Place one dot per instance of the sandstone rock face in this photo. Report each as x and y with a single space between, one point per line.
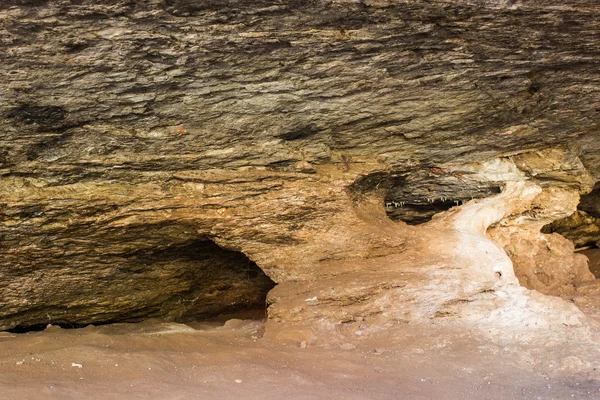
144 145
544 262
583 226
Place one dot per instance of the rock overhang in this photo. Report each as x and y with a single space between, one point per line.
282 131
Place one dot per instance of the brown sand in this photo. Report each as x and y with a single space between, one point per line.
170 361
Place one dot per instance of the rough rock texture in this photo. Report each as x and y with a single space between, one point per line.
594 256
583 226
544 262
130 130
407 274
192 280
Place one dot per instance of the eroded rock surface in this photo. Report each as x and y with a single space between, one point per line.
583 226
133 130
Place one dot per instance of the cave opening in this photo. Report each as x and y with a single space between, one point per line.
416 202
418 211
415 197
190 282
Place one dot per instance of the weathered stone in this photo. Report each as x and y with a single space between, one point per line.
132 130
543 262
192 280
583 226
590 203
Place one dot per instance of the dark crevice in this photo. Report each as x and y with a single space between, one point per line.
590 202
378 182
40 327
417 201
583 226
417 213
415 197
46 117
303 132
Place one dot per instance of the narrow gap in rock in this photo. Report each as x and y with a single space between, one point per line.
416 213
407 204
41 327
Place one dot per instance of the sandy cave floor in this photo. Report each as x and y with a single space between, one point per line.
154 360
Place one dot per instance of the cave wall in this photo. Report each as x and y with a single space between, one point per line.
281 130
583 226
